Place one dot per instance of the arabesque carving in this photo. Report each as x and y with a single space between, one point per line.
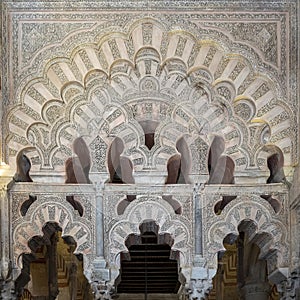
96 94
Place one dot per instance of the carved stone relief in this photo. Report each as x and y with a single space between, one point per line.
118 228
104 73
198 86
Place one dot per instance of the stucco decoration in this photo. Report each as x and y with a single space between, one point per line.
192 82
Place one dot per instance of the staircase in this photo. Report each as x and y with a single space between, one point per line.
150 269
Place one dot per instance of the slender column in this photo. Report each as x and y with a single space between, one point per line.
198 220
4 227
100 275
52 267
6 264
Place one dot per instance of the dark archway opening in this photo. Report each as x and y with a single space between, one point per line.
240 266
120 167
149 128
150 267
52 270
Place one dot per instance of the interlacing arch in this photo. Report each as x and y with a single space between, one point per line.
196 85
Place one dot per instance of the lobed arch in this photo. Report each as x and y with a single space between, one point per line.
258 217
179 62
61 213
159 211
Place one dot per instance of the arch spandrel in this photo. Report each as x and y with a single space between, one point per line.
178 62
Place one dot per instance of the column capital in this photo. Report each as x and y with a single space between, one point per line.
199 289
200 282
290 288
102 290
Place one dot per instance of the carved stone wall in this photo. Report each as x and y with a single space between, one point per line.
206 74
177 73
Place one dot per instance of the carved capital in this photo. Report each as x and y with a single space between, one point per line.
290 288
199 289
7 290
100 277
200 283
102 290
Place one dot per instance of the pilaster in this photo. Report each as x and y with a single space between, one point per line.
6 274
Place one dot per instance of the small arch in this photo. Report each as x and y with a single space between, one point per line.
275 164
220 205
276 204
149 128
221 170
220 166
26 204
55 255
243 261
76 204
174 203
78 168
124 203
185 161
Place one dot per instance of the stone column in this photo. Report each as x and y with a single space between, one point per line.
52 267
99 221
100 275
198 219
290 288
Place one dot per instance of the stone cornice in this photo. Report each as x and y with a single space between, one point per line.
153 5
236 189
